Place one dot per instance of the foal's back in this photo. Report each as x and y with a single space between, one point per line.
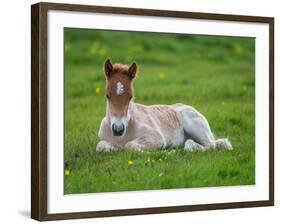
165 119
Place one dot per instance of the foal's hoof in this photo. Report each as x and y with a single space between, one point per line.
104 146
134 146
191 146
223 144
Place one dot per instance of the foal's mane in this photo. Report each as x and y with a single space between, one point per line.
120 68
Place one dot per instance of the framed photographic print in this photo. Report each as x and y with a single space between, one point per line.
139 111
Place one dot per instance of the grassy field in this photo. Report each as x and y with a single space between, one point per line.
216 75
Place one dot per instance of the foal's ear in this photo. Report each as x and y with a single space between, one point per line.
132 71
108 68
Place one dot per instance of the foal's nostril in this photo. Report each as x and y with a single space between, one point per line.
118 129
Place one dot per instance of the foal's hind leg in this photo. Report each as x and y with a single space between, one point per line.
196 127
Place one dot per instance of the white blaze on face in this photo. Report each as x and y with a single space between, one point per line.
119 88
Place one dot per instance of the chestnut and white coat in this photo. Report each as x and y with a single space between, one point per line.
139 127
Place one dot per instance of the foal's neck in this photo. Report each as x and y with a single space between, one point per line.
131 107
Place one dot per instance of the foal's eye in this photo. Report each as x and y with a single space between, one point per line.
130 97
107 96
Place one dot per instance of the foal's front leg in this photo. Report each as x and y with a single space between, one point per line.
146 142
104 146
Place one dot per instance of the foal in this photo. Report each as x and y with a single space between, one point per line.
139 127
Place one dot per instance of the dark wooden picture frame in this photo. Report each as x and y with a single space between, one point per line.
39 121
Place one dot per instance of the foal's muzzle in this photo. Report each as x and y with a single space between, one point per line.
118 130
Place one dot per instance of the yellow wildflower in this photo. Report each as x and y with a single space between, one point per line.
67 46
95 47
161 75
130 162
102 52
237 49
67 172
97 89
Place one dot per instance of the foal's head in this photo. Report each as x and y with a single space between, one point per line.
119 92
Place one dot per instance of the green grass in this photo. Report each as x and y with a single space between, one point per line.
216 75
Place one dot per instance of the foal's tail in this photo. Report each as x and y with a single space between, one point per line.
223 143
